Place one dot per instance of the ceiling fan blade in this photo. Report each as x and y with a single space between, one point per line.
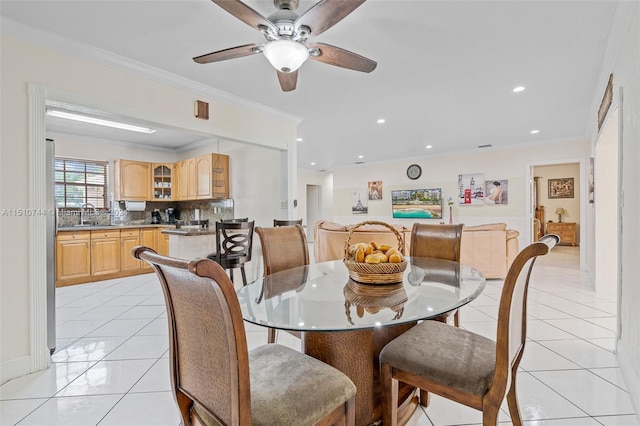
333 55
246 14
325 14
230 53
288 81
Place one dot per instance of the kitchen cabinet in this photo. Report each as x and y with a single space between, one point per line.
162 242
219 176
148 238
132 180
162 181
105 252
99 254
203 176
73 259
129 238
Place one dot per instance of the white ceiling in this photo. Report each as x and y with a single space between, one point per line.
445 74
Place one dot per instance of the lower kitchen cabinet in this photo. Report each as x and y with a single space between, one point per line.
73 255
93 255
148 238
162 246
129 238
105 252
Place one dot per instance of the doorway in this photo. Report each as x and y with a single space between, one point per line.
606 210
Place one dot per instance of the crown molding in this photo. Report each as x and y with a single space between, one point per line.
20 31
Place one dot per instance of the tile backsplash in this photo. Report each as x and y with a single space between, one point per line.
213 210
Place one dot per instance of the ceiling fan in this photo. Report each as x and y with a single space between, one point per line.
287 46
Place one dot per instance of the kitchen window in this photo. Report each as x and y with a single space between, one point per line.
79 181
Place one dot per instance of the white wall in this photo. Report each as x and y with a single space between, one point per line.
325 182
625 76
69 79
442 172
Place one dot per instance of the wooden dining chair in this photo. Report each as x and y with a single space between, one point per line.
282 248
439 242
216 380
234 245
463 366
277 222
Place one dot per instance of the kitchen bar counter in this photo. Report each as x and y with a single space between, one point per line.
189 232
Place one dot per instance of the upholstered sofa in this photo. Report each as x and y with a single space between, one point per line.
489 248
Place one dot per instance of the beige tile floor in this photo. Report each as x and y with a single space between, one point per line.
111 365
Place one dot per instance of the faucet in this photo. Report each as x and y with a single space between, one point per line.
83 213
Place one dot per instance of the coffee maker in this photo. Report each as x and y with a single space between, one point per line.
155 217
172 215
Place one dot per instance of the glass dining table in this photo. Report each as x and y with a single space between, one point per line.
346 324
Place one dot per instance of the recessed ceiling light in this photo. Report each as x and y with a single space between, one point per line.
429 146
299 139
313 164
98 121
533 132
360 156
381 120
518 89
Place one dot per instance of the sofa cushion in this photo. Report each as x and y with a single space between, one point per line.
331 226
486 227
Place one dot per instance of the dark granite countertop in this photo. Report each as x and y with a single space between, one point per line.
109 227
189 232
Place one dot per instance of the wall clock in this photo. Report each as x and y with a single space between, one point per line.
414 171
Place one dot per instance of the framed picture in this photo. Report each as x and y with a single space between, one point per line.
561 188
417 203
359 205
471 189
497 192
375 190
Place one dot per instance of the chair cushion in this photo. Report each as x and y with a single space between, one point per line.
290 388
445 354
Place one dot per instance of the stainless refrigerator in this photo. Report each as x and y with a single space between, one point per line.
52 229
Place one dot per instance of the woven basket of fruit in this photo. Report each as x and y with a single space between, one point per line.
373 263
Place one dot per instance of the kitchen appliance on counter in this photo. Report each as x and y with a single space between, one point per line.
172 215
155 217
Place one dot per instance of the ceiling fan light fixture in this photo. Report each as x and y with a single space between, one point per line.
286 55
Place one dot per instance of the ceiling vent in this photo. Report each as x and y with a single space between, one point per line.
484 146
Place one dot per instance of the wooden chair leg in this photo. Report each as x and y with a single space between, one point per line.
456 318
490 416
271 335
351 411
389 390
231 274
424 398
512 400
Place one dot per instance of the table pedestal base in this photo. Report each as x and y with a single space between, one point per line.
355 353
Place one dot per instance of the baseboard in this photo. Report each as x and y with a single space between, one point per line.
14 368
630 376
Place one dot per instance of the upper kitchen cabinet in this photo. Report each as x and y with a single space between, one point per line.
162 177
132 180
203 176
219 176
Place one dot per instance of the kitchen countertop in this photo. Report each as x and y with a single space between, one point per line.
108 227
189 232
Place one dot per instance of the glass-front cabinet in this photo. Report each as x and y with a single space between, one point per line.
162 181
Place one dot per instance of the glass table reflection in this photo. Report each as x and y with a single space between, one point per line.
346 323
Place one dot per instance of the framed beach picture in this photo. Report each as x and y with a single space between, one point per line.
359 203
417 203
471 189
561 188
496 192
